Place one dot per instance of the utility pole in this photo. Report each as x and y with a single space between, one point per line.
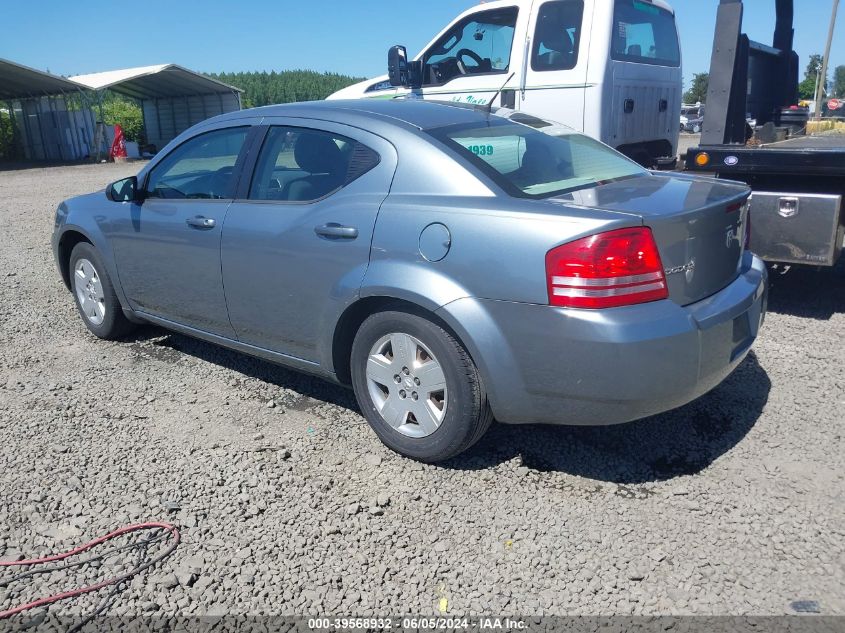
826 61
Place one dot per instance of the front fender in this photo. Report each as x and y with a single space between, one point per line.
70 221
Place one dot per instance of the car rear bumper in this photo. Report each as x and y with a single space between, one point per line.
599 367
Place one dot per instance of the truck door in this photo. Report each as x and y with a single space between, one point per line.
470 61
558 55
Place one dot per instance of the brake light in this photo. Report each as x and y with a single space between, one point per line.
608 270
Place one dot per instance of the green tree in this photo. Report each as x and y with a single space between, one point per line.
9 148
120 110
698 90
839 82
807 88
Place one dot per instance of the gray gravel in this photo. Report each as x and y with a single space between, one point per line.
289 505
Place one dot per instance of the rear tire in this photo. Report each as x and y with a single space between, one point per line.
417 387
94 295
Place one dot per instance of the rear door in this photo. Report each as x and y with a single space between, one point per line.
646 68
558 57
296 242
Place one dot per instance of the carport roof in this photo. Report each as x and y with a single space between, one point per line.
150 82
21 82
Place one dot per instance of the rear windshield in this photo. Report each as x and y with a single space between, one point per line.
534 158
644 34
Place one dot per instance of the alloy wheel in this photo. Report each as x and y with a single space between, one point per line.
407 385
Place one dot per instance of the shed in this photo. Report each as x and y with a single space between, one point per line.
50 115
172 98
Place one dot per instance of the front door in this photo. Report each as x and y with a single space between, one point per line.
168 247
296 246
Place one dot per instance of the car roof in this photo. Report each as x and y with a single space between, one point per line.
420 114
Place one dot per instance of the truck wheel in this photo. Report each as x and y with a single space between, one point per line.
418 387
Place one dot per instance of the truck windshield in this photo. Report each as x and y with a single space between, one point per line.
536 159
644 33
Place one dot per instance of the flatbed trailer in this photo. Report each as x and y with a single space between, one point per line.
798 184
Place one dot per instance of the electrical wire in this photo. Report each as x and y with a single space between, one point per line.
116 580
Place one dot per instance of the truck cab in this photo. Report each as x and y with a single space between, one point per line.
610 69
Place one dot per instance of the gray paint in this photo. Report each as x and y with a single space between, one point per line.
263 282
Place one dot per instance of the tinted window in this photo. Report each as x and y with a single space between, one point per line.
645 34
479 44
537 161
202 167
302 165
557 36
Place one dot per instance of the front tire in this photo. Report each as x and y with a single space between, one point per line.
94 295
417 387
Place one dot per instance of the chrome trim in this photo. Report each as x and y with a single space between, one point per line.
605 282
609 292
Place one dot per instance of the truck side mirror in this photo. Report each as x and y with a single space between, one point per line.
397 66
401 72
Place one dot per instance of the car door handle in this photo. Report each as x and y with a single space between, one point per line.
199 222
335 231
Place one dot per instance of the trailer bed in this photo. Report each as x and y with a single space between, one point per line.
821 155
820 141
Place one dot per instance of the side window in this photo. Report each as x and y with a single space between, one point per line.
479 44
557 36
303 165
644 33
202 167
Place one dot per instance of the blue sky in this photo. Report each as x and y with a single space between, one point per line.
350 37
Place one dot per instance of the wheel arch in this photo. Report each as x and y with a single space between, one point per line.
355 314
68 240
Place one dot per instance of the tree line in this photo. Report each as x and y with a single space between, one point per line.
263 88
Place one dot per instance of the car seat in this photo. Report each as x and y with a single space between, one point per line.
326 165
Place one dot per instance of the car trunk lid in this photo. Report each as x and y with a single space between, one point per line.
699 225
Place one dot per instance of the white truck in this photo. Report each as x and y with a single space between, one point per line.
608 68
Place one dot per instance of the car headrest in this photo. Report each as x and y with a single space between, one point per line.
317 154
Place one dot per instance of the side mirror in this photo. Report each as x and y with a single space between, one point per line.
400 71
397 66
125 190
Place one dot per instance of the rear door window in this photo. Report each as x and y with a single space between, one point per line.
557 36
304 165
644 34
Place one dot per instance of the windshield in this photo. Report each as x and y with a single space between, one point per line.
536 158
645 34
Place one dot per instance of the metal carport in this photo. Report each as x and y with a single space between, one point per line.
172 98
50 116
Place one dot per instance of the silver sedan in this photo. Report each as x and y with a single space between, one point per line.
452 264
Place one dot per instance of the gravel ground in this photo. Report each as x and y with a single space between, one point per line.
289 505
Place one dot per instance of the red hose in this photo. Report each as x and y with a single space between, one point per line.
90 588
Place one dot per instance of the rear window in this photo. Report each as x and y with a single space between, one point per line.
644 34
536 159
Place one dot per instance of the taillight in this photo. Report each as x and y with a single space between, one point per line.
607 270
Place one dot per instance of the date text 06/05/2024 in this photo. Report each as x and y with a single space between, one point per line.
416 623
